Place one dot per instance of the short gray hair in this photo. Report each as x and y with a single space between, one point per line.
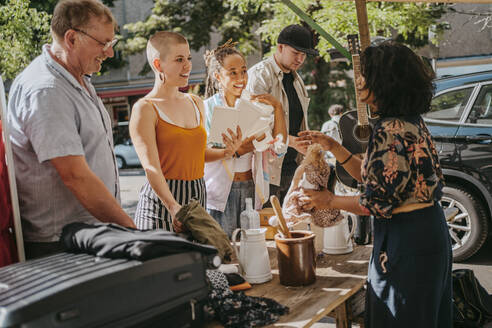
69 14
335 109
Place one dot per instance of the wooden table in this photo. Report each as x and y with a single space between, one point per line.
338 278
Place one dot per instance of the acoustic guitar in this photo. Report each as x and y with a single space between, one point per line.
355 126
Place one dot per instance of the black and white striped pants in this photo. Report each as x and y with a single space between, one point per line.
151 212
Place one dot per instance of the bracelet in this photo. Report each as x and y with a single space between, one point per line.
236 155
345 161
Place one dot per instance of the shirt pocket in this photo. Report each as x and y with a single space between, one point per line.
304 102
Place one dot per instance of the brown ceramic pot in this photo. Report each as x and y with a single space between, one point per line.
296 258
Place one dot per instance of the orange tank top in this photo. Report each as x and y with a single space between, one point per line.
181 150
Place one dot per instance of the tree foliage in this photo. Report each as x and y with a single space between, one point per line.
49 5
244 20
406 22
332 86
24 30
196 20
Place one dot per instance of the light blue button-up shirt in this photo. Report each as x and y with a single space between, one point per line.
52 115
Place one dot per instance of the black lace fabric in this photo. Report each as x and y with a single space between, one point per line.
235 309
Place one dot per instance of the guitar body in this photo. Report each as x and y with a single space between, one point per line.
355 138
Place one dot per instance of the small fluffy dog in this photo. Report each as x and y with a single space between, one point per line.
313 173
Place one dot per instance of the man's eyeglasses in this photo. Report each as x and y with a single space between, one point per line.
106 45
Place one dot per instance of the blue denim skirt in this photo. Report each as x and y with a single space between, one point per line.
409 277
236 203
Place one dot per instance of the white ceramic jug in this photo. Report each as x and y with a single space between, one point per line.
338 239
253 255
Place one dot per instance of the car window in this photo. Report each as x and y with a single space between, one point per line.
450 105
481 112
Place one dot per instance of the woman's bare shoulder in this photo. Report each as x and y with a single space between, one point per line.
144 110
198 101
144 105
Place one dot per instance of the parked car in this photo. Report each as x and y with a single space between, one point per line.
126 154
120 132
460 122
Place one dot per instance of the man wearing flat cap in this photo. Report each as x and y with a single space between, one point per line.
277 75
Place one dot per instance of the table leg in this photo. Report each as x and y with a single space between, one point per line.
342 313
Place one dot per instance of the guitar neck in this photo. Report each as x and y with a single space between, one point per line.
362 118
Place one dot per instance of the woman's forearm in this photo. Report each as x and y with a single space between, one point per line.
349 204
159 184
214 154
351 162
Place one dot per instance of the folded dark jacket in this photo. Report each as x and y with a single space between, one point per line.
205 229
114 241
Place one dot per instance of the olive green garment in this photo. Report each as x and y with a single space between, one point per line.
205 229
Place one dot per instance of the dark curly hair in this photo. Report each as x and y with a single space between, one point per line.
399 80
214 60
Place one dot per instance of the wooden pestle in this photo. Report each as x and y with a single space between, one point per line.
278 212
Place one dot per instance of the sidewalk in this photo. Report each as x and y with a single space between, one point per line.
131 180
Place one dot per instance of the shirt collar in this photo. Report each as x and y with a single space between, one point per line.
276 68
220 100
60 69
278 71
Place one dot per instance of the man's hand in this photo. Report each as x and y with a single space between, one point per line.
90 191
299 144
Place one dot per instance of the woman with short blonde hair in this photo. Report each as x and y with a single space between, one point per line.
167 129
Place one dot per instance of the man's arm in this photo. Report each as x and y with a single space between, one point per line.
90 190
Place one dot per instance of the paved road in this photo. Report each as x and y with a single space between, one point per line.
481 263
131 180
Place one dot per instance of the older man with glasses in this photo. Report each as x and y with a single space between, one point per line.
61 133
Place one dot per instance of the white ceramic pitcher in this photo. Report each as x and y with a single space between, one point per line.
253 255
338 239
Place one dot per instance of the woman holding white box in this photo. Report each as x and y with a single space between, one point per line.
229 182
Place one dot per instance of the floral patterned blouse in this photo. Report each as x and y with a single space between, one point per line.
400 167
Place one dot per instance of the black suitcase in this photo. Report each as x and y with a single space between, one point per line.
81 290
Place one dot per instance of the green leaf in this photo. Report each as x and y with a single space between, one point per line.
24 30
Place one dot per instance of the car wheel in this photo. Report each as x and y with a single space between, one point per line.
467 221
120 162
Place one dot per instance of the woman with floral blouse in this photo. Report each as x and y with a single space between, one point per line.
409 276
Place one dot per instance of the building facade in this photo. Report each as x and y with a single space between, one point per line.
467 46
